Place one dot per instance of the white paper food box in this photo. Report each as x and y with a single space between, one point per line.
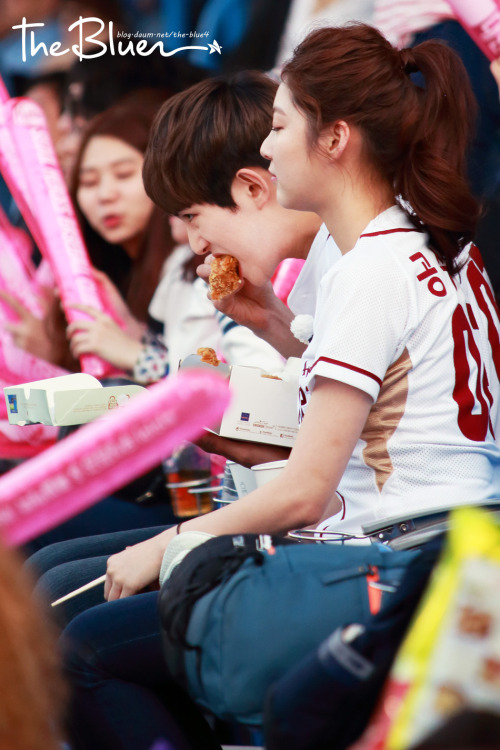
262 409
67 400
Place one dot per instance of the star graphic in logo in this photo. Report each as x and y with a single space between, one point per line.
214 47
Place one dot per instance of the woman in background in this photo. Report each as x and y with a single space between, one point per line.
127 237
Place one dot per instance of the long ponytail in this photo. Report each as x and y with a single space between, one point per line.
416 137
432 178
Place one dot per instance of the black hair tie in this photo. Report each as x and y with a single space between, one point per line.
408 61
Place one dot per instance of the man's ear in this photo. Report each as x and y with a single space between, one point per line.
335 138
251 184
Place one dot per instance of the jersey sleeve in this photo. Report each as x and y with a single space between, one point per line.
363 319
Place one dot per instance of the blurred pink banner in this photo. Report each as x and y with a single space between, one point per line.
105 454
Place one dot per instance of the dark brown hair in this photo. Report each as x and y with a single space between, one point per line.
130 120
31 686
203 136
415 137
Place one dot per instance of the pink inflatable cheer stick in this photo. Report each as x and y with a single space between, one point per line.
63 244
4 94
20 447
3 405
18 366
21 241
44 275
481 19
107 453
14 278
18 442
13 174
32 433
6 314
285 277
22 442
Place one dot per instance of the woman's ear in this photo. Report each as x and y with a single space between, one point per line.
251 184
335 138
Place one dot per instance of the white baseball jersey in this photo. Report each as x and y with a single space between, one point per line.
425 346
321 256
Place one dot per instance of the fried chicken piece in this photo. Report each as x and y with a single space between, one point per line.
208 355
224 276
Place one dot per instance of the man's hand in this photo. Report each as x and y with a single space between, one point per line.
249 305
136 567
242 452
260 310
102 336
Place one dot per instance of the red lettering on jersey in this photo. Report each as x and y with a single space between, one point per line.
473 425
476 256
486 303
435 285
429 270
472 317
302 403
306 370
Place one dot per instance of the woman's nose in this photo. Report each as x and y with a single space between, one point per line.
265 149
107 189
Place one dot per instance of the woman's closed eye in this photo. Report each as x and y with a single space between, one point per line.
125 174
88 182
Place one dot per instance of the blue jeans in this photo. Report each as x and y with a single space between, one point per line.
109 515
122 696
63 567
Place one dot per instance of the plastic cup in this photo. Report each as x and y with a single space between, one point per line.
243 478
263 473
191 495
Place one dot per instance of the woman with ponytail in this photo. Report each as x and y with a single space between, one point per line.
405 346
